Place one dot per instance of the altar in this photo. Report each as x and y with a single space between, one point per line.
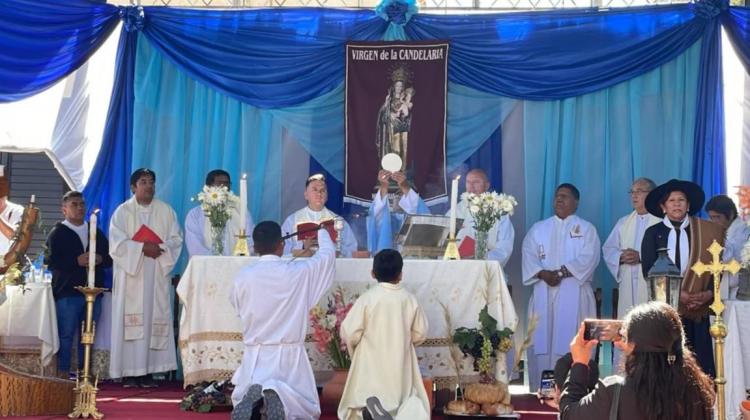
451 292
28 322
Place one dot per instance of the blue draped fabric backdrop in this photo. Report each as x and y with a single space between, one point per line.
42 42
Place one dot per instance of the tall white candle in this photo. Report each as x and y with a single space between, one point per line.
92 249
243 202
454 202
33 199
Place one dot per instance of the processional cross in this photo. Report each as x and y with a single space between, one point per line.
718 328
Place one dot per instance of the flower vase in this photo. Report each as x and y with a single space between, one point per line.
217 240
480 245
332 391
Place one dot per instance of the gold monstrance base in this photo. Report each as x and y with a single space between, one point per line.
240 247
451 251
85 390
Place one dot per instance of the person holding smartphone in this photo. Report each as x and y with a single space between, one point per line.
662 380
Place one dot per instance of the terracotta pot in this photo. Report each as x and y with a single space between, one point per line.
332 390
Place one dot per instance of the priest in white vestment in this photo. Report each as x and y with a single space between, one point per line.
500 238
198 227
316 195
622 252
383 222
10 214
273 298
145 243
722 211
380 332
560 255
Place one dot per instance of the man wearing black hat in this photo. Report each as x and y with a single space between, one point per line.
687 238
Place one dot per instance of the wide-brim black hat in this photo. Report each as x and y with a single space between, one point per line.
694 193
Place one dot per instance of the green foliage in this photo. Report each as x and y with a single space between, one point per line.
482 343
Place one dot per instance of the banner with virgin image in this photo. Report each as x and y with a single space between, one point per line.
395 103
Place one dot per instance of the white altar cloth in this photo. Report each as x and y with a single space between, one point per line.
211 338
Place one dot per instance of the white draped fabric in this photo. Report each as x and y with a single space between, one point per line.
211 332
30 314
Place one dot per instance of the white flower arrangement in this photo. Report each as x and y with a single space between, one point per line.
488 207
218 204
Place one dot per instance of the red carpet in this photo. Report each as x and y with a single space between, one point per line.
163 403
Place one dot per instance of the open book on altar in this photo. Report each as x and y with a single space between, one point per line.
145 234
424 235
309 230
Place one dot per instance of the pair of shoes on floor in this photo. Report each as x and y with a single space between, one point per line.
147 381
271 407
141 381
376 410
130 382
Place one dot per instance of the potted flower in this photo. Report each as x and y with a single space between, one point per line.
326 333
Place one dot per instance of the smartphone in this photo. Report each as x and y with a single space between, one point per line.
602 329
547 387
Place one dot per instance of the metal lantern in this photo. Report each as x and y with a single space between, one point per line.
665 280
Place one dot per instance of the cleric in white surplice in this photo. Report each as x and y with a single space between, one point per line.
273 298
142 335
560 255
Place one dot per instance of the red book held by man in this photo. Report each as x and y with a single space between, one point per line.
145 234
308 230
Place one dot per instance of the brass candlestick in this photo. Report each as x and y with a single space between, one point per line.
85 390
451 251
240 247
718 329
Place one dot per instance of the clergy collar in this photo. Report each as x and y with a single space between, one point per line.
565 220
390 286
269 257
309 209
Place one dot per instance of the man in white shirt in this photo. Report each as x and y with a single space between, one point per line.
145 243
559 257
316 195
273 298
198 229
10 214
500 237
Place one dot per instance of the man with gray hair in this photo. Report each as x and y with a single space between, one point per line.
622 249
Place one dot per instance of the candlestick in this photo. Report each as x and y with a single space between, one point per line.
92 249
243 202
33 199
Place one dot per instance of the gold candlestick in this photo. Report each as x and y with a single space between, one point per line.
85 390
240 247
718 329
451 251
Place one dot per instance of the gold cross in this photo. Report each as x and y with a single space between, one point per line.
716 267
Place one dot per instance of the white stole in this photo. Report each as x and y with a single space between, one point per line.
553 245
628 240
159 222
684 244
